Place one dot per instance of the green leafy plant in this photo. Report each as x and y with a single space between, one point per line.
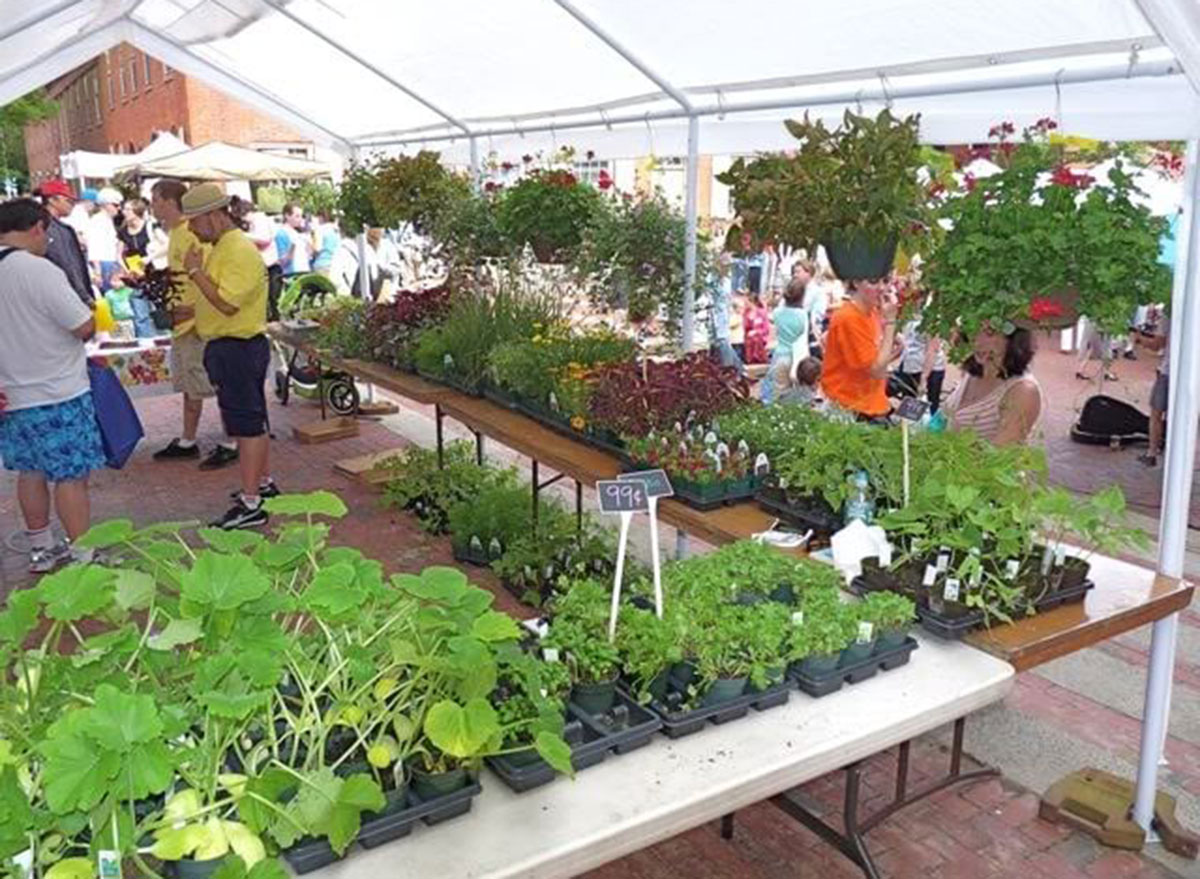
418 484
1039 243
316 197
550 210
356 198
415 189
491 520
887 611
557 547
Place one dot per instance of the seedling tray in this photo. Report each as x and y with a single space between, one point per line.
470 557
823 522
313 854
823 685
703 497
955 627
500 398
592 738
677 724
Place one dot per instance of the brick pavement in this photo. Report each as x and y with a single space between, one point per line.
985 830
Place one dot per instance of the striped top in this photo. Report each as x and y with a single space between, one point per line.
984 415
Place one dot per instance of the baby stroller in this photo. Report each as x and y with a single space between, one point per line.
302 374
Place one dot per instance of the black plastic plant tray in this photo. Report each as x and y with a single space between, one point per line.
467 555
450 382
823 523
591 738
855 672
500 398
677 724
306 856
955 628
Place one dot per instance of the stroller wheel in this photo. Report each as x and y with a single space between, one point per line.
283 387
341 396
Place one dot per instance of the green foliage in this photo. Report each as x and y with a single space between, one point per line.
316 197
499 513
418 484
415 189
14 116
550 210
1032 233
887 611
535 561
356 198
468 229
270 199
858 178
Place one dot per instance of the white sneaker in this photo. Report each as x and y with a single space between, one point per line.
43 561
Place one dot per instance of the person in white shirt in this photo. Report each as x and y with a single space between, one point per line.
102 243
81 214
48 432
295 247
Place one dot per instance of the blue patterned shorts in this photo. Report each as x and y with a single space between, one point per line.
61 440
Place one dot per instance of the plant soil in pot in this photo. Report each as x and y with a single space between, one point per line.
430 785
724 690
855 257
820 666
189 869
595 699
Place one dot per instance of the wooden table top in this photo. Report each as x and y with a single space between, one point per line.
1126 596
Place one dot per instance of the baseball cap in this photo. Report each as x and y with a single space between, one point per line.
108 195
89 194
56 187
203 198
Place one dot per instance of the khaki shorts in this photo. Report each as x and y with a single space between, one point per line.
188 374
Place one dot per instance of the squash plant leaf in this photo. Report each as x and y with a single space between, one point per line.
19 617
175 634
495 626
223 582
437 583
72 868
76 592
106 534
119 720
77 774
333 591
461 731
317 503
134 589
148 770
554 751
230 541
332 807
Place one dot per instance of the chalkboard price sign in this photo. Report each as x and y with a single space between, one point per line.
616 496
656 482
912 409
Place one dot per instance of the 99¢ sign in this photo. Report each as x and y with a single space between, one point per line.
622 497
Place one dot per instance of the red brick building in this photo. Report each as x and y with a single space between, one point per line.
117 102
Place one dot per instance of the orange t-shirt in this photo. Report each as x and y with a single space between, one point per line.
850 350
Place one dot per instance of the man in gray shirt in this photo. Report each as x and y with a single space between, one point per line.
62 246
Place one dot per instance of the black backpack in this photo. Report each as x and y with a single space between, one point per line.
1106 421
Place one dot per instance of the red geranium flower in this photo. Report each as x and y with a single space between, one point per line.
1045 124
506 166
1064 176
527 158
1044 309
969 182
603 180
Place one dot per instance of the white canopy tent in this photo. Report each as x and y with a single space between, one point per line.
362 74
223 162
81 163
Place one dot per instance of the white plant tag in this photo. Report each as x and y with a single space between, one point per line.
931 573
1011 568
553 401
109 863
1060 555
716 459
24 861
448 361
783 483
550 654
743 448
475 543
950 593
723 449
1047 560
866 631
762 465
710 438
678 427
943 563
797 618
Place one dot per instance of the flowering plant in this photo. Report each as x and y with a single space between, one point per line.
391 330
1040 242
549 209
684 456
556 362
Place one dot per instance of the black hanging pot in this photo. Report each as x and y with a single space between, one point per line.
856 257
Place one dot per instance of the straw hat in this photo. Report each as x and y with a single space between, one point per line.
203 198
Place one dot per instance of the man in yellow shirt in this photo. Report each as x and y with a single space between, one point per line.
187 348
231 317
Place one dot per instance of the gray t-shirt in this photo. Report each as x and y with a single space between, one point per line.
1165 366
41 360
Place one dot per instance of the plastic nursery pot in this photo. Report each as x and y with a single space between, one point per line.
190 869
820 666
890 639
784 593
857 653
682 675
595 699
724 690
855 257
430 785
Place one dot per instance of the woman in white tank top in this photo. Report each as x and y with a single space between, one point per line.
998 398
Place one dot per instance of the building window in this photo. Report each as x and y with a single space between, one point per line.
96 98
121 71
166 71
146 68
133 86
589 172
112 93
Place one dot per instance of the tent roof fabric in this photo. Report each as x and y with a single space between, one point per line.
223 162
82 163
357 73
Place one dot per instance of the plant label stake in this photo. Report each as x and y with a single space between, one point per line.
656 484
623 498
911 409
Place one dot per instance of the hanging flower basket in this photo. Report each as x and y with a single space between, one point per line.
855 257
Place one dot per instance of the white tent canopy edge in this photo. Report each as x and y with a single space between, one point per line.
41 47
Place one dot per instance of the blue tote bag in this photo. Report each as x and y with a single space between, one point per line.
120 427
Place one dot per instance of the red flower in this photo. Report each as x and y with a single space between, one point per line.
603 180
506 166
1044 309
491 186
969 182
1064 176
527 158
1045 124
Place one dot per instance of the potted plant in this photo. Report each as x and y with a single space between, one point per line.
854 189
890 615
817 644
414 189
549 209
648 651
1084 247
482 527
417 483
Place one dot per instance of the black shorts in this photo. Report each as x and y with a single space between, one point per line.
237 369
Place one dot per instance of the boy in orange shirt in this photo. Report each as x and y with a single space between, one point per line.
858 348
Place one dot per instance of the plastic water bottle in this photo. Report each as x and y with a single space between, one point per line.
859 505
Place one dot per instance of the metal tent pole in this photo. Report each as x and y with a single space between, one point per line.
364 273
1177 489
689 254
475 181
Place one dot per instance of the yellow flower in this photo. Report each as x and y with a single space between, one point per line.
577 422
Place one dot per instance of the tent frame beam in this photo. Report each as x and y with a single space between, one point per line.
46 14
358 59
869 92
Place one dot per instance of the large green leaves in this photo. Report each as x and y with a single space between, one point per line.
76 592
107 534
134 589
334 591
317 503
223 582
78 774
176 633
462 731
332 807
118 721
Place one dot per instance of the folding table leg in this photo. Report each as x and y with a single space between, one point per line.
438 415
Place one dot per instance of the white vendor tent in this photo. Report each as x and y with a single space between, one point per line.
83 164
222 162
363 74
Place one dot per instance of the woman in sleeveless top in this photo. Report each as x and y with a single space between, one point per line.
997 398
